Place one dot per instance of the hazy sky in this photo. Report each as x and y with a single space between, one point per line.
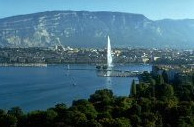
153 9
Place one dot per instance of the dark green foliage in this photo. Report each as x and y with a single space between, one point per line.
135 120
122 104
15 111
85 107
185 92
59 108
149 119
152 82
118 122
123 122
101 100
93 123
186 121
105 96
133 89
145 77
193 79
164 91
165 76
160 80
40 118
143 90
2 112
76 118
7 120
107 122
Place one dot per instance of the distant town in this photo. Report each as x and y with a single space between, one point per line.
68 55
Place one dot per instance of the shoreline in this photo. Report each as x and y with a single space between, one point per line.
50 64
23 65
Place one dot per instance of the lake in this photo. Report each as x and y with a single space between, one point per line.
39 88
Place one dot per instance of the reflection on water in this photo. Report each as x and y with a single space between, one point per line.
68 70
108 80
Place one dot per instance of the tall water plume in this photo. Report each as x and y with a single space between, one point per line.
109 54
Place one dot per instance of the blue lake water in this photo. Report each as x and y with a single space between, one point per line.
38 88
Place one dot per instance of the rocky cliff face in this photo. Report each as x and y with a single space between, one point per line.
90 29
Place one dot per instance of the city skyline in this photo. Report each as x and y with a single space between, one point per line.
154 10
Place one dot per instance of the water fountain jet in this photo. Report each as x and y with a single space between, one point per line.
109 54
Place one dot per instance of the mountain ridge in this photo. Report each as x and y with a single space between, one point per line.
90 29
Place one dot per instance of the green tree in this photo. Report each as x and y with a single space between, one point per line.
76 118
152 87
134 110
143 90
165 76
61 110
122 122
102 99
164 91
145 104
159 80
152 82
168 90
16 111
93 123
186 121
41 118
108 122
85 107
104 114
135 120
193 78
149 119
121 105
2 112
8 121
133 89
50 115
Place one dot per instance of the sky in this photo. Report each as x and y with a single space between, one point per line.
152 9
